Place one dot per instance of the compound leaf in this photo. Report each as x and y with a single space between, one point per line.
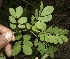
19 11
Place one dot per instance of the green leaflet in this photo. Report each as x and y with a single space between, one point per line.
59 39
51 51
49 30
28 25
55 39
16 49
36 42
46 38
42 37
54 29
12 19
64 38
32 19
41 7
27 50
19 11
47 50
36 13
22 20
50 38
40 25
45 19
18 37
13 26
12 12
27 37
21 26
27 43
41 48
64 31
47 10
34 28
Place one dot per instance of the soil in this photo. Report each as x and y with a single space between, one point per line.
61 18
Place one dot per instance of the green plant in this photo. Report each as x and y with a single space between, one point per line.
36 34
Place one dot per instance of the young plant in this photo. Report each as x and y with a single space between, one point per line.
35 34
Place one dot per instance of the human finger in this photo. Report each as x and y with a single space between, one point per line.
4 29
8 50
